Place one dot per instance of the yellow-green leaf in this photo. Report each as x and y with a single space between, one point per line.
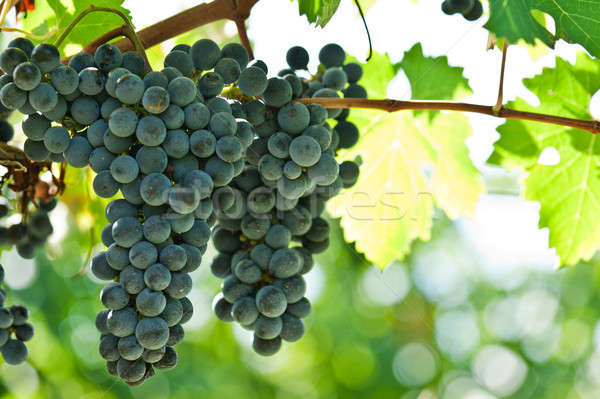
409 165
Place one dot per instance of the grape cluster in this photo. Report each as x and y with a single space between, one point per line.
269 220
14 329
153 137
471 10
6 130
210 139
31 232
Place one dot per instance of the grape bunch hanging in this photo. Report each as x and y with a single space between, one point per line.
208 145
14 329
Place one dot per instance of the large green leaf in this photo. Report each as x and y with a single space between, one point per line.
318 11
569 192
392 203
409 164
577 21
60 13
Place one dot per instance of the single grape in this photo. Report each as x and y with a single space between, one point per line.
284 263
124 169
210 84
35 150
65 79
355 91
132 279
91 81
78 152
12 97
43 98
134 62
35 126
151 159
108 57
182 91
142 254
173 117
56 139
293 118
335 78
151 131
353 72
305 151
10 58
180 60
176 144
126 231
270 301
122 122
348 134
157 277
266 347
150 303
223 124
80 61
297 57
294 288
461 6
197 115
205 54
154 189
155 100
129 89
27 76
475 12
332 55
277 93
180 285
252 81
85 110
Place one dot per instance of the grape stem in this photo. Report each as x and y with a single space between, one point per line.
499 101
507 113
30 35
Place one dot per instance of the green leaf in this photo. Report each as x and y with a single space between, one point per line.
318 11
392 203
514 20
409 164
577 21
569 192
432 78
59 14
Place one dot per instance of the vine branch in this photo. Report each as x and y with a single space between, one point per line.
184 21
507 113
241 28
239 10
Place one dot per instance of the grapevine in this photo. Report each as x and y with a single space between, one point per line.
212 149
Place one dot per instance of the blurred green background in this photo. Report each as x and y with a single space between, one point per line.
478 312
